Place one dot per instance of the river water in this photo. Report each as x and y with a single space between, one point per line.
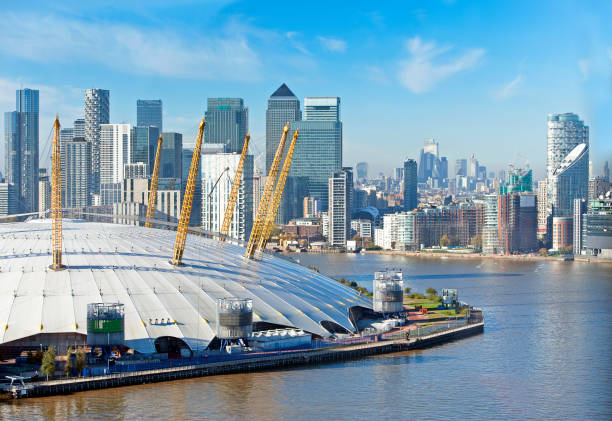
546 354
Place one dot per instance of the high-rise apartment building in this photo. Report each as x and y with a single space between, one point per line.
44 193
227 122
21 134
149 113
171 162
410 185
569 181
542 213
8 199
76 169
215 201
566 180
97 112
283 107
340 186
115 145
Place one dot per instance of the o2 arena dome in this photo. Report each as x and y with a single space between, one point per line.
129 265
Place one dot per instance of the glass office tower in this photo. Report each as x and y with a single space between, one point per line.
227 122
149 113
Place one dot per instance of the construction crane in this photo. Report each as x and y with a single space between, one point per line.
183 226
231 204
262 210
152 203
56 199
278 194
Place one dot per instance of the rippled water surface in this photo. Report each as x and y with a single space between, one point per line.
546 354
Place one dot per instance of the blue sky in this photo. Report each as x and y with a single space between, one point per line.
480 77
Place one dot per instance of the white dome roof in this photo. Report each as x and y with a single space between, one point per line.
126 264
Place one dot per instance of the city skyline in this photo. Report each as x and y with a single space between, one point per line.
429 79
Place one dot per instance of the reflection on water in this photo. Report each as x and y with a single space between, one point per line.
545 354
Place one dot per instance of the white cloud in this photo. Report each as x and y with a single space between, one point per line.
293 37
585 67
127 48
429 64
510 88
334 45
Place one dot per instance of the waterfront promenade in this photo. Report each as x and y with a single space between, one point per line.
395 342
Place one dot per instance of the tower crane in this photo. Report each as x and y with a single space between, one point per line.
262 210
278 194
56 199
231 204
183 226
152 202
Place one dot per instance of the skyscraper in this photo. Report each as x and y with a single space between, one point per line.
213 206
144 146
227 122
149 113
565 132
340 186
97 112
318 152
171 163
322 108
196 210
362 170
21 135
461 167
283 107
76 168
410 185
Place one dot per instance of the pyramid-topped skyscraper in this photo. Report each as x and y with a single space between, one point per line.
283 107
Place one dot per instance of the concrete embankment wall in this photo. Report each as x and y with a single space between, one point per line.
319 356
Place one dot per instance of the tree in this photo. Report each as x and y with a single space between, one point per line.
48 362
476 242
407 290
431 291
68 364
80 362
445 241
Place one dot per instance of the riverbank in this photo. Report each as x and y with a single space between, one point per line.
471 256
275 361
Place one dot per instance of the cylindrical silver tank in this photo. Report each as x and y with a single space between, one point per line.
234 318
388 292
105 324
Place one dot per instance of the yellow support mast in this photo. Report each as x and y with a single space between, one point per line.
56 199
278 194
152 202
183 226
262 210
231 204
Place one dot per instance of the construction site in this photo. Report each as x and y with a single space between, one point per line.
139 299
